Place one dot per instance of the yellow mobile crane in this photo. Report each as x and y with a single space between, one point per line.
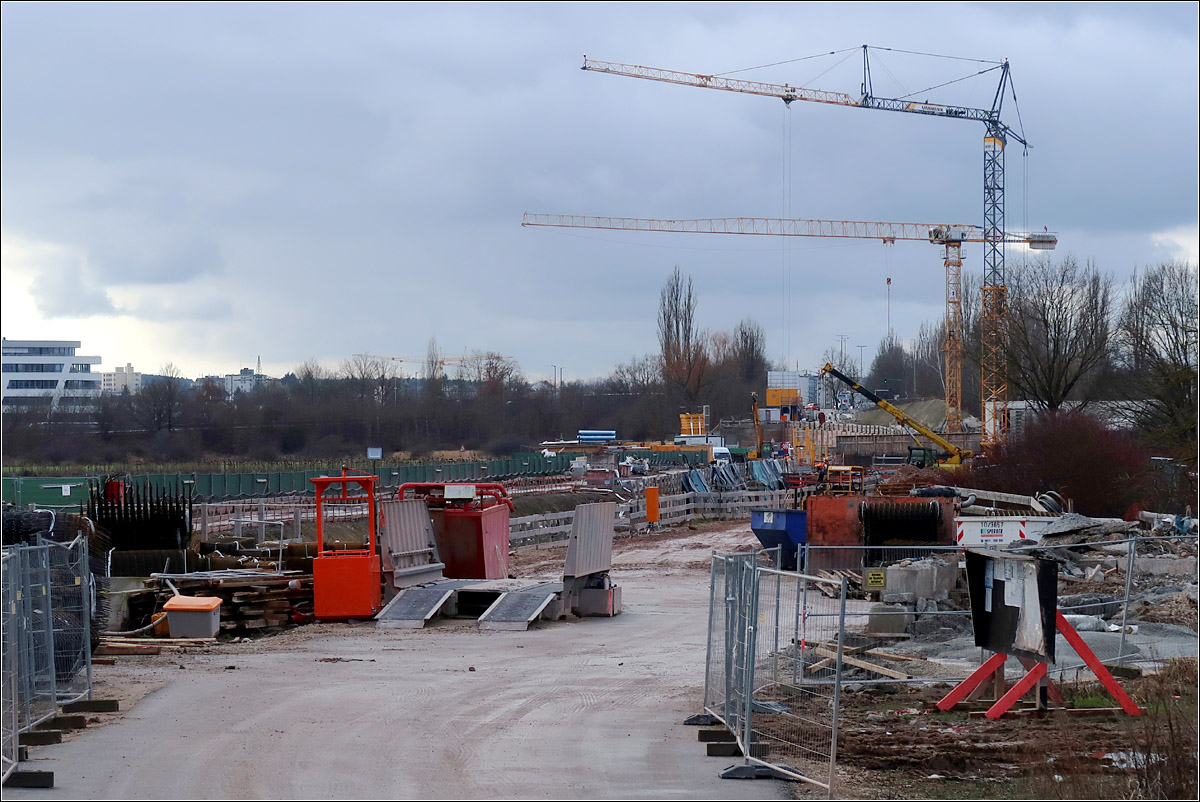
758 435
955 456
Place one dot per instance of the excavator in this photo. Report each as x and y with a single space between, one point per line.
921 456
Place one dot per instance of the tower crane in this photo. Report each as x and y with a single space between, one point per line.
994 383
951 237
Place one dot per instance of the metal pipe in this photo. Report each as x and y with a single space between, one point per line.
837 689
1128 590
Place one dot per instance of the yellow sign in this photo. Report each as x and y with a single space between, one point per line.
876 579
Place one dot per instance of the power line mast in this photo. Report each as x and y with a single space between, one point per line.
994 300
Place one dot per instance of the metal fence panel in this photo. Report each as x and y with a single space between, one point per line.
71 605
796 675
37 699
9 682
773 665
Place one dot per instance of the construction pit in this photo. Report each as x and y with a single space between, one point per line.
589 708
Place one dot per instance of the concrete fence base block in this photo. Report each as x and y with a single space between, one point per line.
753 772
889 618
21 778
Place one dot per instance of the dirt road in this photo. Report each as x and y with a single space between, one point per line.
590 708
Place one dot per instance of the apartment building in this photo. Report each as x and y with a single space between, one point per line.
49 372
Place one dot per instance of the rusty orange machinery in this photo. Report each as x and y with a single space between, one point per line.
874 523
470 524
347 584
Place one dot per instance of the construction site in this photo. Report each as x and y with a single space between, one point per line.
828 588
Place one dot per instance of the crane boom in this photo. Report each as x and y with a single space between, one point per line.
951 236
957 455
771 226
788 93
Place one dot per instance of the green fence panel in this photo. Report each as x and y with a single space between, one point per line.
49 491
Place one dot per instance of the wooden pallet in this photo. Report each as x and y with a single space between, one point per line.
252 602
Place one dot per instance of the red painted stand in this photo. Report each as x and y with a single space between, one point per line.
1034 672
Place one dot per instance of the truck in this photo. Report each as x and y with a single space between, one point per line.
950 456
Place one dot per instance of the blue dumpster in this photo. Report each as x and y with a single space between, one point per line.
784 528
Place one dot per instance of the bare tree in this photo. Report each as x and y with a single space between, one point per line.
1158 343
1059 331
685 355
891 365
432 376
310 380
929 361
158 403
369 377
750 351
640 375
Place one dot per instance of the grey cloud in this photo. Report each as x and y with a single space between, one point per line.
62 287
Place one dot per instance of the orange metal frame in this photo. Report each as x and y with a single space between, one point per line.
425 491
347 584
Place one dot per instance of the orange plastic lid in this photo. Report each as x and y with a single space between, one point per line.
192 603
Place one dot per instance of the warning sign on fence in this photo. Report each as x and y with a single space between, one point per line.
875 579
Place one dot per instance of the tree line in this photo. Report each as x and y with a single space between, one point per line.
1074 339
484 402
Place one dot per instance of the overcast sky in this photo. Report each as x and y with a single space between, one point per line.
210 184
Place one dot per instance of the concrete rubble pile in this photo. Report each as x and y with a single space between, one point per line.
926 600
919 595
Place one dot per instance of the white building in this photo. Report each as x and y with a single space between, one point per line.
47 372
246 381
120 380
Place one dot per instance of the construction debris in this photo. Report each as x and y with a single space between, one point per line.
252 601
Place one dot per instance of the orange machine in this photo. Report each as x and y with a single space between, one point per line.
347 584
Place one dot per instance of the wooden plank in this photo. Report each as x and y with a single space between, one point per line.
151 641
902 658
854 661
108 650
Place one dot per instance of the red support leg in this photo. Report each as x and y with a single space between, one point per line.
1020 689
1098 668
989 667
1051 689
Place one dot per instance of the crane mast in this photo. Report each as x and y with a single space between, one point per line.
994 300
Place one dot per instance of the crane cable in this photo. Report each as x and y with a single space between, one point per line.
787 61
786 261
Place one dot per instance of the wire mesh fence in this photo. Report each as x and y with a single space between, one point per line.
8 666
34 629
72 598
797 673
911 603
773 666
48 605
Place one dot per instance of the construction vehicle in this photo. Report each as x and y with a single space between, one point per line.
922 456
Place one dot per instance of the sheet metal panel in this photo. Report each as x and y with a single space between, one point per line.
590 548
406 534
